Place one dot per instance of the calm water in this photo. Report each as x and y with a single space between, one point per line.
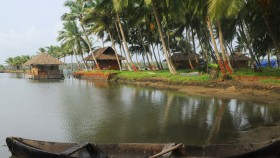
74 110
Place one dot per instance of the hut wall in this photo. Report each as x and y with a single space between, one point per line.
108 64
46 72
185 64
239 64
52 70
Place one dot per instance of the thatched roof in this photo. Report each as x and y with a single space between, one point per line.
240 56
43 59
105 53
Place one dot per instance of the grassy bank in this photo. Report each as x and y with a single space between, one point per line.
267 76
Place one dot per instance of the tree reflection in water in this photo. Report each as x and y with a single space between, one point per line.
120 113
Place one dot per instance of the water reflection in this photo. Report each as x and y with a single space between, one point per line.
120 113
96 111
16 75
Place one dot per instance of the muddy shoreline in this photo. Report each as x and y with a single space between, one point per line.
249 91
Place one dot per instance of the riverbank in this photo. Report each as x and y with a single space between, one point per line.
249 91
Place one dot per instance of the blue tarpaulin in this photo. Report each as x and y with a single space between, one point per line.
273 63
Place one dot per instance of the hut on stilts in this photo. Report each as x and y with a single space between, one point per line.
44 66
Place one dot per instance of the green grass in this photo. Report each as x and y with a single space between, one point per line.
178 78
163 74
270 81
265 72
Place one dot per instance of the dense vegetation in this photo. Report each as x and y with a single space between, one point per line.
144 28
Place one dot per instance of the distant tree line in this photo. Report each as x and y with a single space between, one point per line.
18 60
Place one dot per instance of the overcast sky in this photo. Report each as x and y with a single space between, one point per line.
27 25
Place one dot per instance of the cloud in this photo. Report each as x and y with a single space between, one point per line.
27 42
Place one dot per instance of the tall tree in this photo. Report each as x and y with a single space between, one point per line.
70 36
77 11
101 20
219 9
170 64
118 6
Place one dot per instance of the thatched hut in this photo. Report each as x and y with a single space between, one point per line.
239 60
44 66
185 60
106 58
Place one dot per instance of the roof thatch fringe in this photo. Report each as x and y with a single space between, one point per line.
105 53
43 59
240 56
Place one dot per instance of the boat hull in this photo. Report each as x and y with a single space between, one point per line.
25 148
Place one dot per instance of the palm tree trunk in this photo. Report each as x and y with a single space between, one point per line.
220 62
221 39
72 66
89 46
103 41
155 56
125 59
153 65
146 52
168 59
227 56
84 62
194 47
149 63
278 61
137 61
144 61
159 58
125 56
230 47
189 60
78 63
125 43
244 36
268 58
114 47
208 46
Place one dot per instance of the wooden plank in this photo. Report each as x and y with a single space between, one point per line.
74 149
167 155
167 150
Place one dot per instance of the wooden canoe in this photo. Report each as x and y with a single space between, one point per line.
26 148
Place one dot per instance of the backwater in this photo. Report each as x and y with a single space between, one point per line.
73 110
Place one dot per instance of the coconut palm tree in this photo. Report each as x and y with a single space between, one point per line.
159 28
219 9
71 36
41 50
54 51
101 21
118 7
18 61
270 12
77 11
